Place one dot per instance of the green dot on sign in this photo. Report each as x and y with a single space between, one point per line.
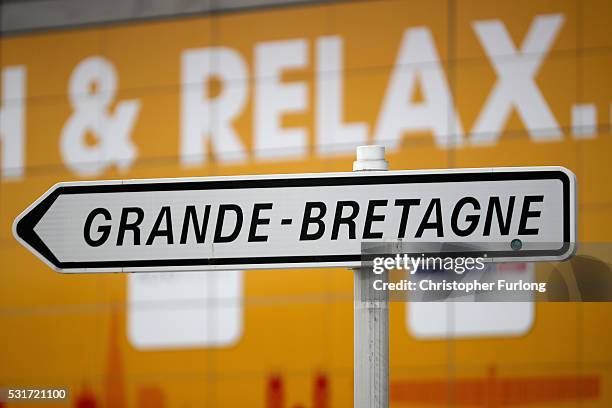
516 244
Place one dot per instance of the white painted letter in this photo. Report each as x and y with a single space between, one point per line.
273 98
12 122
333 135
91 113
203 118
418 60
516 85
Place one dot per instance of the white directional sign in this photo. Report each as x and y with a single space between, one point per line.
297 220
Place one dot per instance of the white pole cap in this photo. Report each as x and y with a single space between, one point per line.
371 157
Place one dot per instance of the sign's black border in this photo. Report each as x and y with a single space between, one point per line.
25 226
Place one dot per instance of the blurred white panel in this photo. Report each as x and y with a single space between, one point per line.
434 320
185 309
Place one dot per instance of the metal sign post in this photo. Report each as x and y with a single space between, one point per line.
370 316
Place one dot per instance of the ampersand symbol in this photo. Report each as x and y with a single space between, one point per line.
92 89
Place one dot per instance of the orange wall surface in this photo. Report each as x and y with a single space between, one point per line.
416 76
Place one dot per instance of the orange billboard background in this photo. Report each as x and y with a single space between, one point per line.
295 89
